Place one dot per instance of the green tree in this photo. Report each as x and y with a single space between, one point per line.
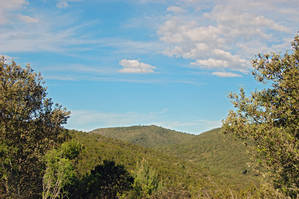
30 124
146 182
268 119
61 170
105 181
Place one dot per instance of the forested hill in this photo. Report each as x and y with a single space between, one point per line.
147 136
181 178
223 155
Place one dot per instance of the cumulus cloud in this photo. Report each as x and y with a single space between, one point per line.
226 74
134 66
227 34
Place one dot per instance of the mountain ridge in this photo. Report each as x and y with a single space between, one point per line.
151 136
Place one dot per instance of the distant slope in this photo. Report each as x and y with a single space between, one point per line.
222 155
146 136
99 148
181 178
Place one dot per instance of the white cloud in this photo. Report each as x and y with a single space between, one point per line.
226 74
227 34
211 63
37 37
48 32
65 3
134 66
175 9
12 4
24 33
7 6
28 19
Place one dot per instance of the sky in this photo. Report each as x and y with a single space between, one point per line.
170 63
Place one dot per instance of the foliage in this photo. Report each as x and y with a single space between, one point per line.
108 180
181 178
105 181
146 182
30 124
269 118
224 156
146 136
60 170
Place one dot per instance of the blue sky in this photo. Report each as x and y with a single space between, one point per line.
140 62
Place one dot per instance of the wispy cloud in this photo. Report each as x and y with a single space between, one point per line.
59 32
30 34
65 3
176 9
125 46
80 68
28 19
40 31
134 66
226 74
6 9
60 77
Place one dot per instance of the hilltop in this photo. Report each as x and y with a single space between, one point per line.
146 136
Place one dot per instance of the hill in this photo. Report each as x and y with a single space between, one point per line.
180 178
146 136
224 156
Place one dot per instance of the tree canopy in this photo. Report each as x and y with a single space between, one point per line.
269 118
30 124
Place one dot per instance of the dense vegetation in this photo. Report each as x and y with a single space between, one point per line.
223 156
30 124
269 118
178 177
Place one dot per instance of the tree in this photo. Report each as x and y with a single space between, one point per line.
105 181
147 182
60 170
268 119
30 124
